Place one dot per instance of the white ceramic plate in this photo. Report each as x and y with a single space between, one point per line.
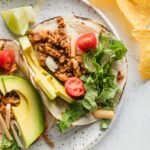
82 137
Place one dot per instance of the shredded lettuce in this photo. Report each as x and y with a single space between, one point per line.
70 115
100 85
89 100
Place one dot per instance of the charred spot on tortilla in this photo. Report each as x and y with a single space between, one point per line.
120 76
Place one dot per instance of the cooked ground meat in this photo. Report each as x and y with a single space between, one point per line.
57 45
42 59
52 52
10 98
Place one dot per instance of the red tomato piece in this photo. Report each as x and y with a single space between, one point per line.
74 87
86 42
7 58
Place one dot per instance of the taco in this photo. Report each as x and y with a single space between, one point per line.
21 114
79 68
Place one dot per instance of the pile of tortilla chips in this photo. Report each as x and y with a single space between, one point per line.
137 13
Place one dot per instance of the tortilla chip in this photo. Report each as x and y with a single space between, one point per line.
102 3
137 12
142 3
105 6
143 39
144 66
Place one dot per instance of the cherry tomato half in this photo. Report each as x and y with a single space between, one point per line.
7 58
86 42
74 87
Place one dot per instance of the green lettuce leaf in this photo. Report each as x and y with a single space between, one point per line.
89 100
70 115
107 93
15 146
6 144
88 58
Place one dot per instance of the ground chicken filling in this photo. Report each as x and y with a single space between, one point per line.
57 45
11 98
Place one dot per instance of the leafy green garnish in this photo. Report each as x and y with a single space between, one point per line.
105 124
15 146
88 57
102 80
107 93
100 85
89 100
70 115
6 144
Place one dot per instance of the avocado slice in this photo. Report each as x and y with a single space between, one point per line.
28 113
45 86
41 81
60 90
28 50
2 87
40 74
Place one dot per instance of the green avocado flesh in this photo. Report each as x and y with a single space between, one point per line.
60 90
28 113
49 84
2 88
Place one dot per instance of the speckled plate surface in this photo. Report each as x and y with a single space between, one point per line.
80 138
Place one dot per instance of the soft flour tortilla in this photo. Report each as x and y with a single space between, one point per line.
75 26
